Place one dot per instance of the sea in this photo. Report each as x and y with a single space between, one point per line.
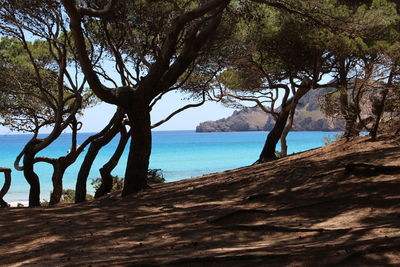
179 154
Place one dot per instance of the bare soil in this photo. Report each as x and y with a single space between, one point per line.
304 210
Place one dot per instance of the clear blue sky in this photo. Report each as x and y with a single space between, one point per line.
97 117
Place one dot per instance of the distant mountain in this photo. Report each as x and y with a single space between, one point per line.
308 117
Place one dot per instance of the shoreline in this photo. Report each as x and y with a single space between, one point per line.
14 204
198 155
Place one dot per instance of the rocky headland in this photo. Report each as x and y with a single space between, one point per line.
308 117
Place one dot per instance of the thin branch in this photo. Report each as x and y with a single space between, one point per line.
179 111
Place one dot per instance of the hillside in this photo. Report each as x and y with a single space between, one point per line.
303 210
308 117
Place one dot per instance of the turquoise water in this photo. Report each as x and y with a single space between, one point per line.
180 154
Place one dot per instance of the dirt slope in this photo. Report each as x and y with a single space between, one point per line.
304 210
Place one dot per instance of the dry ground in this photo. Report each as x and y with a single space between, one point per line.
304 210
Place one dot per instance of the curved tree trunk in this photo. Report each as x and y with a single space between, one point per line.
105 171
94 148
268 151
139 151
80 188
30 175
6 186
61 164
287 107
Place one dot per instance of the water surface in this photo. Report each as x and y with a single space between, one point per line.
180 154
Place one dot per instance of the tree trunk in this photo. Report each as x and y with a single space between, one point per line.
105 171
58 174
284 147
80 188
139 152
351 127
268 151
287 107
349 112
380 109
94 148
30 175
285 133
6 186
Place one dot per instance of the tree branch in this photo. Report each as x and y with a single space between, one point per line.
179 111
97 13
98 88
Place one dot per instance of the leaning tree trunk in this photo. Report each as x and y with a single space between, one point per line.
139 151
379 112
381 108
31 176
284 147
349 113
105 171
285 133
80 188
268 151
94 148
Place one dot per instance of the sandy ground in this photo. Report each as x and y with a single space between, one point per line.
14 204
304 210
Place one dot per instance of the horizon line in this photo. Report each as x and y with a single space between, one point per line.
21 133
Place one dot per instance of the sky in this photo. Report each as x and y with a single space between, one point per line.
97 117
